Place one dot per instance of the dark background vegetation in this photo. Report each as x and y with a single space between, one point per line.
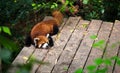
18 16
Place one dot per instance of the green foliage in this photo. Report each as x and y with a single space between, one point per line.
91 67
99 44
93 9
65 68
5 30
14 10
48 5
98 61
5 42
67 4
7 47
79 70
100 64
101 9
93 37
95 68
26 68
5 55
85 1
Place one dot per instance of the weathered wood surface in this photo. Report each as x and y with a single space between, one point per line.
103 34
73 47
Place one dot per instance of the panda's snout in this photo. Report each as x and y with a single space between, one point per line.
45 45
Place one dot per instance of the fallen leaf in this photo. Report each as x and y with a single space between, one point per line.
71 30
25 58
85 32
84 25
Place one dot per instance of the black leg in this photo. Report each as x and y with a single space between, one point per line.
55 30
28 41
51 43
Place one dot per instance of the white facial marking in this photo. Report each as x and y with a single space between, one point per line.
35 41
45 45
47 35
39 46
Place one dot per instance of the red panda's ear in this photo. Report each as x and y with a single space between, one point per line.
35 41
47 35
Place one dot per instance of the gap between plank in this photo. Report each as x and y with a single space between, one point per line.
78 47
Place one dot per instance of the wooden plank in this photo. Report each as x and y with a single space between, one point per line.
85 46
24 55
114 38
60 43
71 47
117 67
40 54
103 34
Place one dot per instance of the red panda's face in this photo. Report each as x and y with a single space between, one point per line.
41 41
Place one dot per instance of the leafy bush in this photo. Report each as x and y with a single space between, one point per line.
12 11
7 48
93 9
107 10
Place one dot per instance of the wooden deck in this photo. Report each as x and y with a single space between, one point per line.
73 47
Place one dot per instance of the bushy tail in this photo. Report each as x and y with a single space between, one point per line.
28 41
58 16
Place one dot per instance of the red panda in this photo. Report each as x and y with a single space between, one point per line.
41 33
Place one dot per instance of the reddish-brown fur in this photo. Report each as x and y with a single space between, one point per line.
41 29
45 27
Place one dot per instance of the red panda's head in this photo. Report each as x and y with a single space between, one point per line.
41 41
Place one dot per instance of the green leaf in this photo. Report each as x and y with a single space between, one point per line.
6 30
93 37
38 5
33 4
98 61
7 43
85 1
114 58
0 29
56 5
79 70
52 6
67 2
107 62
35 8
65 68
91 67
103 70
118 61
15 1
99 44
